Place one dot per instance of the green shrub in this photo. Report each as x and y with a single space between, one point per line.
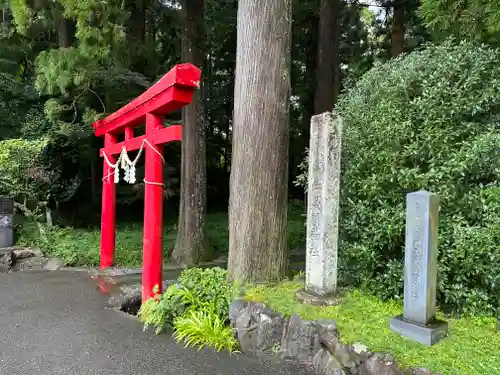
427 121
207 289
161 311
204 328
197 290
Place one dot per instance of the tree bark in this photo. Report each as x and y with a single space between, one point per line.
328 65
138 20
65 28
191 245
259 171
398 29
65 32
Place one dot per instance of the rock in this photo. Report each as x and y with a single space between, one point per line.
300 341
129 297
326 325
30 264
328 336
345 356
7 260
380 364
235 309
54 264
259 329
127 300
361 349
23 253
324 363
27 252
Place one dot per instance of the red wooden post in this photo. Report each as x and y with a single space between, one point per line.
152 262
108 216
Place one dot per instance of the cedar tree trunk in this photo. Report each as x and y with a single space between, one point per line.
328 64
259 170
191 244
398 29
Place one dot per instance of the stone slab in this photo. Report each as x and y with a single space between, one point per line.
30 264
425 334
420 275
309 298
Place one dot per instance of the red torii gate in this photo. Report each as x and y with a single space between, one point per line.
172 92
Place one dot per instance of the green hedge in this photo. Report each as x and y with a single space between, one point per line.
427 121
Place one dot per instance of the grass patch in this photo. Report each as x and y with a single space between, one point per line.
80 247
204 329
472 347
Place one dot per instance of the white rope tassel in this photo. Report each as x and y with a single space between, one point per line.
128 165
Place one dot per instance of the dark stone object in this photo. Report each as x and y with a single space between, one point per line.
301 340
428 334
327 325
259 330
361 350
7 260
128 299
22 253
6 206
325 364
6 230
315 344
380 364
6 222
235 309
344 355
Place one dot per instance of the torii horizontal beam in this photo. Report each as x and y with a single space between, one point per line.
172 92
160 136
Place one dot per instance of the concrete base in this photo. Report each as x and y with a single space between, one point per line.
313 299
428 334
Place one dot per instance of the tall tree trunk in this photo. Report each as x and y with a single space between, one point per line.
191 246
65 28
328 68
138 20
65 32
259 171
398 28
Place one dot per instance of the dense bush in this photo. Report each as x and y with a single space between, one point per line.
197 307
427 121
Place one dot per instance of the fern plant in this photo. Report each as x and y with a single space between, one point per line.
204 328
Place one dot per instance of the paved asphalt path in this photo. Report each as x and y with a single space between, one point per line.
55 323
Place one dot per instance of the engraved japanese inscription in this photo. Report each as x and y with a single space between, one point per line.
323 204
420 257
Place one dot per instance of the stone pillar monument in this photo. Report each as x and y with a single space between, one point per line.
323 208
420 275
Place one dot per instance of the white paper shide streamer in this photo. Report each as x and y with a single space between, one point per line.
128 165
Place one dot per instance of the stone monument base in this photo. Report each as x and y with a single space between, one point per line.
428 334
317 300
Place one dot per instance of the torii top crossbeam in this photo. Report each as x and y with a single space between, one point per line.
172 92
